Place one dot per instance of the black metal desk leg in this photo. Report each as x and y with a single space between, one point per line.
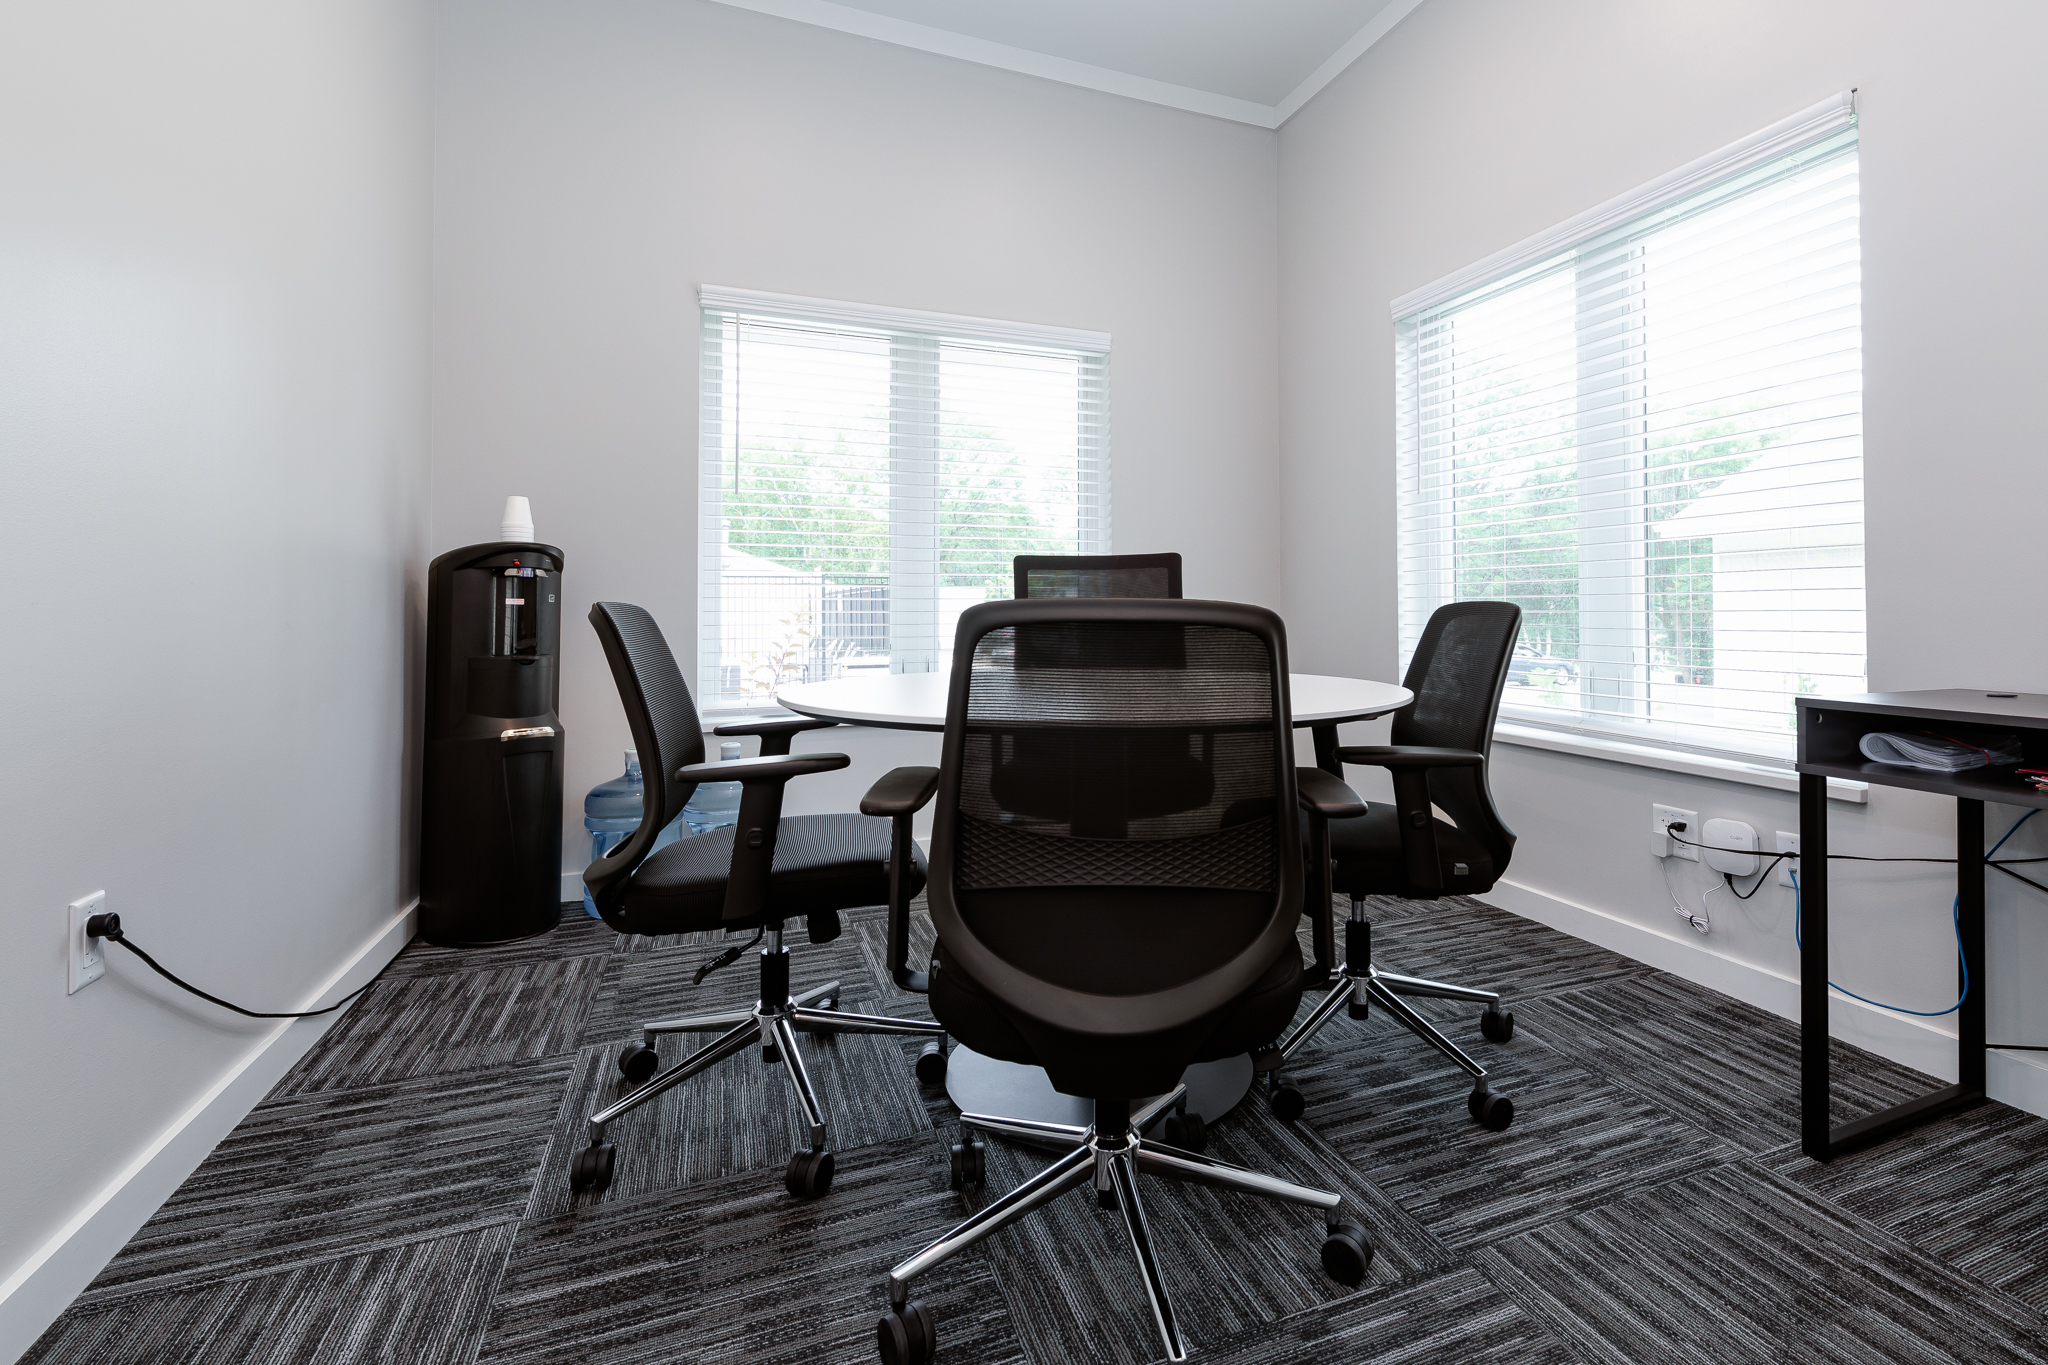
1970 923
1813 966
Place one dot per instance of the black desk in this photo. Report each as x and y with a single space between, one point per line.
1830 729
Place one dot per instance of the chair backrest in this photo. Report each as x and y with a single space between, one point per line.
1457 675
1138 778
1097 575
666 731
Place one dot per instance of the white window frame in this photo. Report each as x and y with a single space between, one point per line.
914 338
1426 555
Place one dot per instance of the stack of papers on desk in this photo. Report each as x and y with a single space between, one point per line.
1938 753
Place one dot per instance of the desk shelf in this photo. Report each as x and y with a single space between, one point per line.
1831 730
1998 785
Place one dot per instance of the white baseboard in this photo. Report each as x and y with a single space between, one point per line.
572 886
45 1284
2016 1078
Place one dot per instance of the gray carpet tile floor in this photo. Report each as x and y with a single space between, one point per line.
402 1195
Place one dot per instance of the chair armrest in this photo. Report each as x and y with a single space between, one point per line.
900 795
1326 796
767 768
775 733
760 818
1409 756
902 791
1411 765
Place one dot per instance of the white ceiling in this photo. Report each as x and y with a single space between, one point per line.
1255 61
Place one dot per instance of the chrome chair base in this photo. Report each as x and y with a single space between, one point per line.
1357 986
1111 1154
774 1029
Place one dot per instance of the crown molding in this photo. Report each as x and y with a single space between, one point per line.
984 52
1381 25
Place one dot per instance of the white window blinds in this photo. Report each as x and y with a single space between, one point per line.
867 474
1647 433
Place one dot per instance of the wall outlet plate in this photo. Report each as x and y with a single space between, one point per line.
1788 842
1731 847
84 958
1662 845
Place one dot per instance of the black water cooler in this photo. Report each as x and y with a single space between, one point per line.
491 808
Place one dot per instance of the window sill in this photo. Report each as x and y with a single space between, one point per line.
1757 773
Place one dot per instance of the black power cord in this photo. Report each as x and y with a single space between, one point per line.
725 959
108 927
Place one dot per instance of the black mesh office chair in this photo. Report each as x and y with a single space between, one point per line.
1441 742
1097 575
754 875
1104 916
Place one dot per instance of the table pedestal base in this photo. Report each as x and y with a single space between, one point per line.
983 1085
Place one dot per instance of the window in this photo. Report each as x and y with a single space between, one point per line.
868 474
1645 428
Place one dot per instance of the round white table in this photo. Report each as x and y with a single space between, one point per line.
917 701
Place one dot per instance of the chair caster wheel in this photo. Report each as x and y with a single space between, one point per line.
591 1171
638 1063
1498 1025
905 1336
827 1002
1186 1130
809 1174
1346 1254
1494 1112
1287 1100
970 1163
931 1063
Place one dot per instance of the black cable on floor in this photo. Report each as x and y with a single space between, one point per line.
109 927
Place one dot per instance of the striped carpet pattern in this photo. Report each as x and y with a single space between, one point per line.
402 1196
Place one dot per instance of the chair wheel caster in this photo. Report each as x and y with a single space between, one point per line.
931 1063
1346 1254
1498 1025
905 1336
591 1171
638 1063
1494 1112
809 1174
970 1163
1287 1100
1186 1130
827 1002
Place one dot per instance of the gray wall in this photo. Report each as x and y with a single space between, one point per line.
1479 122
596 161
212 425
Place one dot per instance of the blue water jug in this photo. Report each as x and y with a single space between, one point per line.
612 811
714 805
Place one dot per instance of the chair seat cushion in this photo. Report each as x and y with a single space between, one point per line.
822 862
1369 862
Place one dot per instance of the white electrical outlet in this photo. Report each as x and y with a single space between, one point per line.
1731 847
83 960
1788 842
1662 845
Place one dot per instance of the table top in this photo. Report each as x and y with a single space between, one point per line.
917 701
